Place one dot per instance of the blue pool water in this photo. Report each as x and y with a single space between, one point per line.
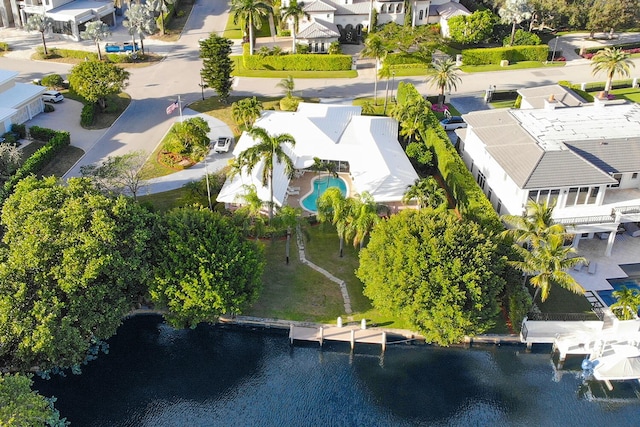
320 185
607 296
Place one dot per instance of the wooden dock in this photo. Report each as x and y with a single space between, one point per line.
348 334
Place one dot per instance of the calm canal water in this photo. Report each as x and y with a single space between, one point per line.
211 376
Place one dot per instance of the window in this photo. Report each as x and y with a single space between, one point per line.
315 47
481 179
593 195
420 15
553 197
399 8
383 9
499 207
617 177
489 194
635 175
322 47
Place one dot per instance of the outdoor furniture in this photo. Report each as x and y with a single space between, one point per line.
292 192
578 267
593 266
632 229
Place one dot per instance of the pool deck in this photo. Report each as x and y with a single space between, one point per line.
306 187
626 250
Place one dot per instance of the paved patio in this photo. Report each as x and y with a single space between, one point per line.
626 250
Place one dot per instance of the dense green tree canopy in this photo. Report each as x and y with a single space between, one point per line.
22 407
474 28
94 80
71 263
205 267
440 273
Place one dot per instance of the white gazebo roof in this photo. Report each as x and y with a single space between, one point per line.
377 162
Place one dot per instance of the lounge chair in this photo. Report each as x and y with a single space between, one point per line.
632 229
292 192
593 266
578 267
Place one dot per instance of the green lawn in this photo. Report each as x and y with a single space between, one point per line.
165 201
233 31
240 71
630 94
503 104
64 160
563 301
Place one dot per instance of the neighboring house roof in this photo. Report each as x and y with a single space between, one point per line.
563 96
355 8
19 94
7 113
552 148
81 11
319 29
7 76
377 162
448 10
318 6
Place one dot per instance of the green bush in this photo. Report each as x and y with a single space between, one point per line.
285 33
302 49
4 47
52 81
511 54
289 104
20 130
56 141
10 138
48 108
335 48
522 38
297 62
88 115
394 59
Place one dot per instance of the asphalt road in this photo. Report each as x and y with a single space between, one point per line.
153 88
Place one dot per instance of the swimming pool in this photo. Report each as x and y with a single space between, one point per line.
607 296
320 185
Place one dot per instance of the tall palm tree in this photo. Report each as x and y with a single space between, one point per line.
287 85
293 13
444 75
534 226
250 13
267 150
611 61
427 192
41 23
251 209
246 111
411 115
375 47
335 208
139 20
628 301
547 264
161 7
364 213
288 217
385 72
96 31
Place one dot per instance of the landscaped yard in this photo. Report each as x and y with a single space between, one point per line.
63 161
240 71
234 31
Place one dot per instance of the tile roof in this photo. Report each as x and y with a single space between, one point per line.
319 29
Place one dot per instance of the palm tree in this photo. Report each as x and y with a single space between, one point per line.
547 264
251 210
427 192
627 303
411 115
534 226
374 47
96 31
368 108
364 213
385 72
288 217
293 13
250 14
269 148
335 208
444 75
139 20
246 111
160 6
287 85
612 61
514 12
41 23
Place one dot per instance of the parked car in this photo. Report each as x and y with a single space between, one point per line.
222 145
52 96
453 122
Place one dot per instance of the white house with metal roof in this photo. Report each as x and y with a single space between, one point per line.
69 16
367 147
19 102
582 157
344 20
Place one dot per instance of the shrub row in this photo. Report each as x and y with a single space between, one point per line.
511 54
56 141
297 62
404 58
55 52
87 116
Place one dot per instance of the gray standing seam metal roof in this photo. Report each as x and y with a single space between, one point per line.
318 6
319 29
612 155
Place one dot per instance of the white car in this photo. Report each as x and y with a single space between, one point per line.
222 145
453 122
52 96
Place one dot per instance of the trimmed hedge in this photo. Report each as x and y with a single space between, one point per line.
511 54
394 59
297 62
55 141
88 115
